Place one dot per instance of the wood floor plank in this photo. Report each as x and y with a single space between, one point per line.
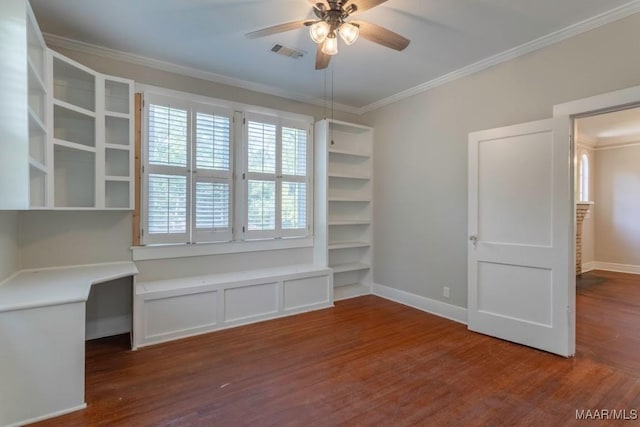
369 361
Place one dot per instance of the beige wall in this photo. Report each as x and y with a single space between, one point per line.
617 222
420 233
69 238
9 254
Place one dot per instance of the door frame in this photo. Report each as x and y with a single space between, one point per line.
593 105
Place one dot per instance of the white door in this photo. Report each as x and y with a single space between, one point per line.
520 235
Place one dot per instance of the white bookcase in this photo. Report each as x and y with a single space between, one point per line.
24 163
344 204
92 133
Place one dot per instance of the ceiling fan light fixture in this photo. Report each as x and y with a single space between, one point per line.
319 31
349 33
330 46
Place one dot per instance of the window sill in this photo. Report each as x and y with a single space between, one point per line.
144 253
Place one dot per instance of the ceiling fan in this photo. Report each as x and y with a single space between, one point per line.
333 20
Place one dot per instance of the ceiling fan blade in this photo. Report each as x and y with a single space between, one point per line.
381 35
366 4
319 4
281 28
322 59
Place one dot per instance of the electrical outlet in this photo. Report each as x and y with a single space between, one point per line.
445 291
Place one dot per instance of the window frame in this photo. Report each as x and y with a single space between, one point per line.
584 172
236 237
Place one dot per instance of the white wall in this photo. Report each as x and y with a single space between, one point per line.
68 238
420 233
618 206
9 254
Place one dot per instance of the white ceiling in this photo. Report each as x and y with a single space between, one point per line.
208 35
615 128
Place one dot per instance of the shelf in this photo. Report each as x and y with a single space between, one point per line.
73 126
72 107
348 152
117 115
117 178
73 85
349 199
35 120
35 77
344 268
74 177
73 145
349 222
37 165
348 245
116 194
116 97
117 131
117 163
350 290
348 176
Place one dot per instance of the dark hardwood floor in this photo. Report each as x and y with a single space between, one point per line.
369 361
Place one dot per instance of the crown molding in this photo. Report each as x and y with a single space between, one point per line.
88 48
597 21
607 17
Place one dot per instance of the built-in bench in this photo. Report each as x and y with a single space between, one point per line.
42 339
170 309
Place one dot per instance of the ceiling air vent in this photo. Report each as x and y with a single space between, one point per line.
288 51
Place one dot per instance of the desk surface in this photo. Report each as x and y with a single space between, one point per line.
58 285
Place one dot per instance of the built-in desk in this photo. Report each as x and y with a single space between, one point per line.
42 336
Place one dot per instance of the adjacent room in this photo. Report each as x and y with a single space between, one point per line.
334 212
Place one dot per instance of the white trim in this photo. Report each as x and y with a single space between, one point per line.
92 49
612 266
531 46
47 416
439 308
588 24
592 105
144 253
350 291
588 266
613 146
108 326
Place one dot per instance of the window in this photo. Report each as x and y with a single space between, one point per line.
583 178
212 174
276 177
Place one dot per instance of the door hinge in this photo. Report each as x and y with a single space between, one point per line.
243 229
244 121
142 232
243 176
142 168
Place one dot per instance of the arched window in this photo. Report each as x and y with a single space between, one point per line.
584 178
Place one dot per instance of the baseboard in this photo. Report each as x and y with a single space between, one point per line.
588 266
439 308
618 268
351 291
51 415
107 327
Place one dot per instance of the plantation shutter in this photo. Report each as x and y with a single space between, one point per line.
212 177
277 193
261 185
295 200
167 169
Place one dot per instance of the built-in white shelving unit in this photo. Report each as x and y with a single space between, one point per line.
92 134
24 164
344 204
